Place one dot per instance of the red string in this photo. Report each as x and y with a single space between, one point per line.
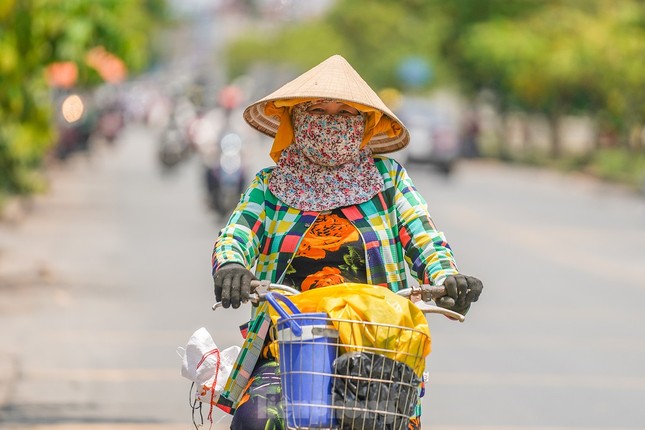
210 410
205 356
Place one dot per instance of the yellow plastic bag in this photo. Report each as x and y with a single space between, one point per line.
400 331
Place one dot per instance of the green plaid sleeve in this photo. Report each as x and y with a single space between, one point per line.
426 250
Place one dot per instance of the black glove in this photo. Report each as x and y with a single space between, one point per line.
461 291
232 284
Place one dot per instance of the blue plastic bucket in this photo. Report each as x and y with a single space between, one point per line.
307 350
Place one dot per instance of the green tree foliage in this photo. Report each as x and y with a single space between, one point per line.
24 112
314 41
535 64
619 72
374 36
35 33
553 56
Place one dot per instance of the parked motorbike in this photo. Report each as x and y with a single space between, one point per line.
173 147
74 122
110 108
110 123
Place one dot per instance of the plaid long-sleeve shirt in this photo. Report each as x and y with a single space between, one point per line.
395 227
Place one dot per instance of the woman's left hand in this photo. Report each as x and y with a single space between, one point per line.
463 290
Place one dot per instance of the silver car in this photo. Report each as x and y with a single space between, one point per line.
434 133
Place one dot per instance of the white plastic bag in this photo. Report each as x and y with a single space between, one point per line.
203 362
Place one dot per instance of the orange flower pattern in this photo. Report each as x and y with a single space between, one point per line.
328 233
331 253
324 278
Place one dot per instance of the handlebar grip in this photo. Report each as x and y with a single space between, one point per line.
436 292
425 292
259 289
439 293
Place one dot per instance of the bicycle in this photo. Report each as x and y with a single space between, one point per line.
331 378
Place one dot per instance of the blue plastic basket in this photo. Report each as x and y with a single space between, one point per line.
307 348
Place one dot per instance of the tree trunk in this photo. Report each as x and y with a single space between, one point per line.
556 138
504 152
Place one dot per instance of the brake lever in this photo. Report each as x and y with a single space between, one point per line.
423 295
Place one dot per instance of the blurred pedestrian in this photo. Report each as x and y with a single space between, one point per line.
470 142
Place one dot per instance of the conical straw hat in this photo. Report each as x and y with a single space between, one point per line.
334 78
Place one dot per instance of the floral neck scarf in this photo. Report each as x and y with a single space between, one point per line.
325 167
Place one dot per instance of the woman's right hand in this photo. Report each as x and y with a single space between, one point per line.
232 284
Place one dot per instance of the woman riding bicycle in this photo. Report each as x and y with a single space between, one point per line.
330 211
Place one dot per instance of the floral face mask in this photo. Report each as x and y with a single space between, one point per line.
328 140
325 168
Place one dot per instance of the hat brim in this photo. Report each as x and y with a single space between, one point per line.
380 143
335 79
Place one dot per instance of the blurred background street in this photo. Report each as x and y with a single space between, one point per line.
119 169
99 287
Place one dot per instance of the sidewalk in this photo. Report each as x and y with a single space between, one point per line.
101 279
24 269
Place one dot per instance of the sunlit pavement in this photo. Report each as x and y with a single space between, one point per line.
110 274
88 336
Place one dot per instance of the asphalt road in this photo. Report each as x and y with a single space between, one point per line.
109 274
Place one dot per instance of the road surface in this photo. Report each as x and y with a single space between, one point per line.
109 274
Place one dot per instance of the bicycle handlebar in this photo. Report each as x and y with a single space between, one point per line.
260 289
420 296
